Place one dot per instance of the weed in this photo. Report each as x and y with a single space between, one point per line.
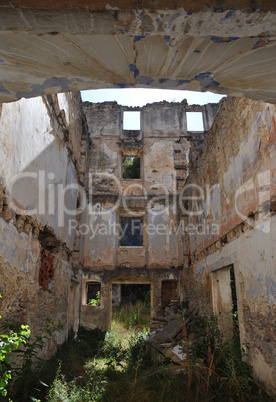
28 363
224 375
117 366
95 302
11 340
133 315
123 369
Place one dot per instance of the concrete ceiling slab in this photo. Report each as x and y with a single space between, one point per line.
203 47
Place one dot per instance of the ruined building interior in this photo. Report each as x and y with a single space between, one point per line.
202 203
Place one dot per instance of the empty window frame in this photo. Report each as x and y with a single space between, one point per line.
93 293
194 121
131 120
131 231
131 167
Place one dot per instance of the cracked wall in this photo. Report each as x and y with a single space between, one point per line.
225 48
232 160
43 146
235 224
163 145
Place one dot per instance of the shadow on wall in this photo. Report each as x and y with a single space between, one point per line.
47 189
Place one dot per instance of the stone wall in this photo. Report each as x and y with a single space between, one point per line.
163 146
233 225
100 316
42 172
62 195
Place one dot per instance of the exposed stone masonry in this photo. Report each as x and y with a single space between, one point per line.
52 255
236 171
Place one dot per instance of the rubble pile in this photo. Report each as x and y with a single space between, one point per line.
167 333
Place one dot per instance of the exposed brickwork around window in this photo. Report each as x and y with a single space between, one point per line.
46 269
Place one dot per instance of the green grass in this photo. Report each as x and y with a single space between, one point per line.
123 371
117 366
130 315
119 355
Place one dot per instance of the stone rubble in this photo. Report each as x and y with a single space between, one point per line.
167 339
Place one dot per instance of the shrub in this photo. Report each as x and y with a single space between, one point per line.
26 370
224 373
10 341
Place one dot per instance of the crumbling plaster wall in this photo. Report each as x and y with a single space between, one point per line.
36 150
236 172
43 146
100 316
23 300
163 145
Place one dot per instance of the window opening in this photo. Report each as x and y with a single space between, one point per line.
131 121
131 231
93 293
194 121
131 167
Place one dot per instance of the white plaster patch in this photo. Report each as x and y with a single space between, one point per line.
17 249
247 155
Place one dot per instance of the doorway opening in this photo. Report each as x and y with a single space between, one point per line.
234 302
225 303
131 304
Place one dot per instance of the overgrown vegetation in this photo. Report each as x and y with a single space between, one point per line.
215 366
123 369
137 315
28 380
96 301
19 357
10 341
118 366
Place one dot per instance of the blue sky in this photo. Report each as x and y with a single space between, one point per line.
141 96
